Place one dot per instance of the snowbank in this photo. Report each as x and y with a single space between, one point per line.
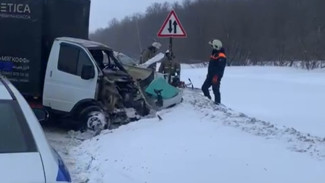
282 95
283 140
199 142
193 66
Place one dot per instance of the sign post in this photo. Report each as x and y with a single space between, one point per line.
172 28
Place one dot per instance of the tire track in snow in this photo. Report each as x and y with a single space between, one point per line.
63 141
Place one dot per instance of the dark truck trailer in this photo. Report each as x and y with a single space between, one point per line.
27 31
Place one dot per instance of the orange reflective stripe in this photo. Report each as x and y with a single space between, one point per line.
221 55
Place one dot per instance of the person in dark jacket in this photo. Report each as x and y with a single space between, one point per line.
150 52
216 69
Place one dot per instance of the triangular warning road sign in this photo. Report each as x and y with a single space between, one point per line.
172 27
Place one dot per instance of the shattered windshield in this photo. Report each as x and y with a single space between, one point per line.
105 59
126 60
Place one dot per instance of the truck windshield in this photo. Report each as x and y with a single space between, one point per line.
15 135
126 60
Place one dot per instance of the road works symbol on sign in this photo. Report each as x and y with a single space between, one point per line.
172 27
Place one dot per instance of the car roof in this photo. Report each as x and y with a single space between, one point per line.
85 43
4 90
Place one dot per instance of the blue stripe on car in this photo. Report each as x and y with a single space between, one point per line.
63 174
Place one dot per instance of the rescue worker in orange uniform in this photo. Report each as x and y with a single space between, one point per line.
216 69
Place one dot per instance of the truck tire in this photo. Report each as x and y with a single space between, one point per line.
94 118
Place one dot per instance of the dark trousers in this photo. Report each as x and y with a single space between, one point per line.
215 88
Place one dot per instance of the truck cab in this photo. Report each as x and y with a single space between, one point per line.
71 75
85 81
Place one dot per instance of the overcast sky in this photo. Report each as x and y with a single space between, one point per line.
102 11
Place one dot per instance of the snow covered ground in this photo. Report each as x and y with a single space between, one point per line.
284 96
196 141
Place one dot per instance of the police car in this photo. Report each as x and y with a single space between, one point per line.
25 155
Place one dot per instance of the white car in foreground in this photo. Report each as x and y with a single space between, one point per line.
25 155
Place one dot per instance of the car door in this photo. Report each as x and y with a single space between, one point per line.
20 160
64 86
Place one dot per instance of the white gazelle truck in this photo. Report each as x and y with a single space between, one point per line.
84 80
46 54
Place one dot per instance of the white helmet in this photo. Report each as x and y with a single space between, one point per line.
216 44
157 45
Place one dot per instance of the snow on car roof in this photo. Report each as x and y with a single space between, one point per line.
4 93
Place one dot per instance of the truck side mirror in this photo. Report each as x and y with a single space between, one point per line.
87 72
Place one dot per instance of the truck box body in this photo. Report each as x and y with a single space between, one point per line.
27 31
65 18
21 43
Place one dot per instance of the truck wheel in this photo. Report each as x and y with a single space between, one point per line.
94 118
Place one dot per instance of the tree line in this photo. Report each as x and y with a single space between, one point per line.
251 30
